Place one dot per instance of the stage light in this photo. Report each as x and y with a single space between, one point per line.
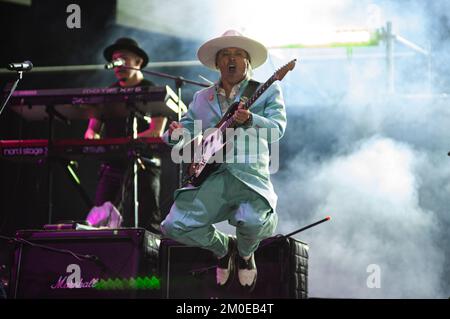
349 37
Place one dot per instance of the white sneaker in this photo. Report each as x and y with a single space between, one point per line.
247 272
225 265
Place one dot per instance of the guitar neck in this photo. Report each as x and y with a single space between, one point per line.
259 92
227 120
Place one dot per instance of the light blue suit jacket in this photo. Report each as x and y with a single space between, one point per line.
269 124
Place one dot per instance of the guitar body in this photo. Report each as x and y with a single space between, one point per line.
200 168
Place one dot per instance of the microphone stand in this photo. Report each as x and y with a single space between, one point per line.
179 82
13 88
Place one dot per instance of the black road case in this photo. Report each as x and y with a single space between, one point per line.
189 272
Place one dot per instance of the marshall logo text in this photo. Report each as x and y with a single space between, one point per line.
73 280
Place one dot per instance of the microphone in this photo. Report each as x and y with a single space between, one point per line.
24 66
115 63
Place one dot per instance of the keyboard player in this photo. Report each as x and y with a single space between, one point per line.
112 173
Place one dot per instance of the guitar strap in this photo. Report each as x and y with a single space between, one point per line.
249 90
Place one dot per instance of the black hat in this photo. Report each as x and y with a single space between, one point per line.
126 44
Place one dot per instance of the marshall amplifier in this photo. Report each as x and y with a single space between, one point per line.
106 263
189 272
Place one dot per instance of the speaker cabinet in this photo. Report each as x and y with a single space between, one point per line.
113 263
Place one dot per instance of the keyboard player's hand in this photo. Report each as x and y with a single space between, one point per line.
91 135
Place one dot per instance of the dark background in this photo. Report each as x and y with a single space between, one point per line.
39 33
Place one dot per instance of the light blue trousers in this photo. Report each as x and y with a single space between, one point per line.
220 197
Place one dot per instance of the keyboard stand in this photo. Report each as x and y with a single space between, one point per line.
52 159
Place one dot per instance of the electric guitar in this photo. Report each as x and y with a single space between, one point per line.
204 164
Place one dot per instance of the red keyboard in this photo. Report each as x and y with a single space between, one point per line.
75 148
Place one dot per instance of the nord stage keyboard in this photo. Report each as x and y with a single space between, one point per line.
33 150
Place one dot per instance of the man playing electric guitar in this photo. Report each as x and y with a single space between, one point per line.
239 191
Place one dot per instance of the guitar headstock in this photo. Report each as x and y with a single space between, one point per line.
281 72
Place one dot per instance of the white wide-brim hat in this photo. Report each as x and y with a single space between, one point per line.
232 39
